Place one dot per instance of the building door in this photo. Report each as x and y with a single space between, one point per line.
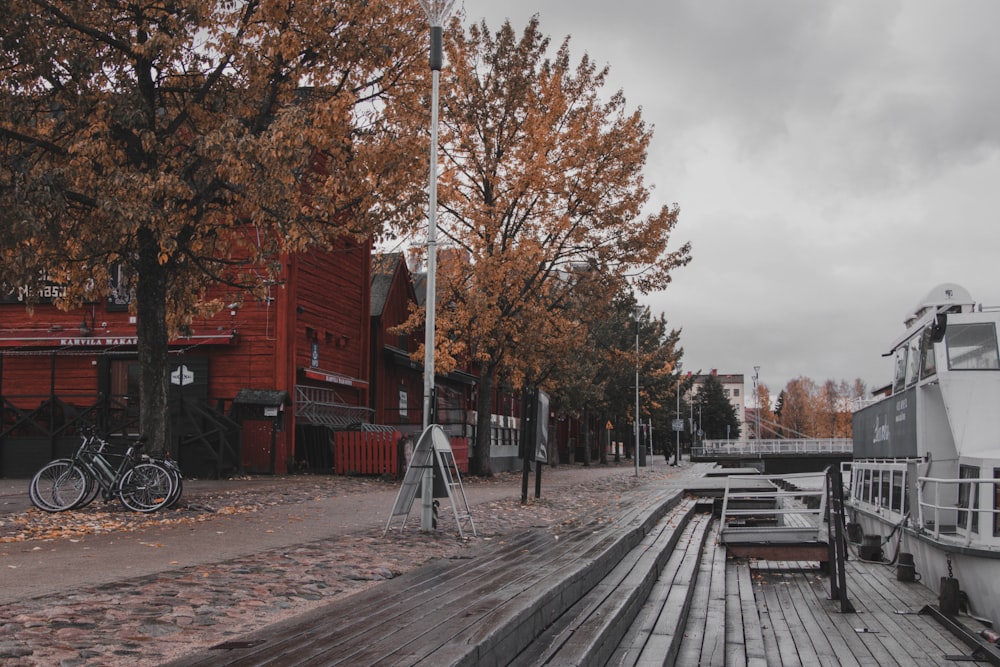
258 445
124 398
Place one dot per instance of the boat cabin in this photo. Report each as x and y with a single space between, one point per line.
936 436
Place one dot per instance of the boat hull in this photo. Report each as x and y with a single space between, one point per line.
976 569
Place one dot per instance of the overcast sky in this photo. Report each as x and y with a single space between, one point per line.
833 161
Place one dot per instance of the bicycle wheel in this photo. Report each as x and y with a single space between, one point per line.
178 480
93 488
145 488
58 486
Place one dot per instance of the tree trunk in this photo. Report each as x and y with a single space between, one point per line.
480 463
152 339
605 440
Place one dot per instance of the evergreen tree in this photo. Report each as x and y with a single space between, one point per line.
717 413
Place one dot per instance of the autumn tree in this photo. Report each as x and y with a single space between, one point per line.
808 410
798 413
541 171
192 143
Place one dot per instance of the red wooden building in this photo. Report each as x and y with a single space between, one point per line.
397 379
259 372
397 391
270 384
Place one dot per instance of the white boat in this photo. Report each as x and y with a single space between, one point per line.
926 472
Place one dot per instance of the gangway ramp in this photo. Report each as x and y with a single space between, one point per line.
783 518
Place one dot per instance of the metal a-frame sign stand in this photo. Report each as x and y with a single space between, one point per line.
433 450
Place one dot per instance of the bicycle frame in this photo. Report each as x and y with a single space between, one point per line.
98 468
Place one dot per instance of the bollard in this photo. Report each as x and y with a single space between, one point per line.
905 569
948 596
871 548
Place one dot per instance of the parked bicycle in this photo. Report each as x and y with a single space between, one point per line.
140 482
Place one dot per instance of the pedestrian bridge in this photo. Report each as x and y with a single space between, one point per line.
776 456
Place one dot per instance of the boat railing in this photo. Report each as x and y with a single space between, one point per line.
937 496
783 446
878 484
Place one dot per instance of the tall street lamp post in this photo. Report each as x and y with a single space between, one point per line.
756 403
437 11
677 431
638 314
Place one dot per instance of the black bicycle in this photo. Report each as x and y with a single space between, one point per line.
139 482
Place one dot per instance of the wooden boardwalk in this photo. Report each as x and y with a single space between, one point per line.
654 587
785 618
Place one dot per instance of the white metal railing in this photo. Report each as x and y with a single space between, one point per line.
787 446
788 516
320 405
975 510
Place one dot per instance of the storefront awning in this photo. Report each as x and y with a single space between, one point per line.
64 341
330 377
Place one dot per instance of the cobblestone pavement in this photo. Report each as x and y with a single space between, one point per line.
153 618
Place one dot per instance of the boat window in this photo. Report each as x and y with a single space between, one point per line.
996 503
928 366
966 492
913 364
899 378
897 491
972 346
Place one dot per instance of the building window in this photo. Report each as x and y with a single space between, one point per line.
736 393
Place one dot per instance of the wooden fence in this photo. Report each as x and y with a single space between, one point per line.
378 453
366 453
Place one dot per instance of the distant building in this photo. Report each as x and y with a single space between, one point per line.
732 388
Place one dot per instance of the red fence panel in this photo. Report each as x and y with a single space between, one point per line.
460 448
366 453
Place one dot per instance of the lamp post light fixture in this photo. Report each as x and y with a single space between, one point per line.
437 11
637 315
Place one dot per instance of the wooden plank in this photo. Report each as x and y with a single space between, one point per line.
805 519
753 630
919 635
695 634
827 644
787 649
735 647
604 622
502 620
713 650
770 639
786 594
775 552
866 651
390 604
670 626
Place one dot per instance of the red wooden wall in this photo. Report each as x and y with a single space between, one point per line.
392 374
